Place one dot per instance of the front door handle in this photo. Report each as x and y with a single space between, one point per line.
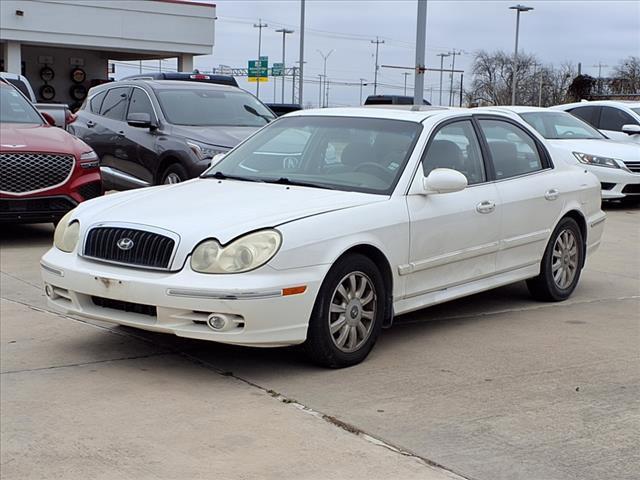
486 207
552 194
121 133
91 124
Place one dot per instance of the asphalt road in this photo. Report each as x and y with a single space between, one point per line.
494 386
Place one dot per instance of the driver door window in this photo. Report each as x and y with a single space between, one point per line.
456 146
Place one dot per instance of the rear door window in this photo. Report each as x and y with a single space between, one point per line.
115 102
96 102
589 114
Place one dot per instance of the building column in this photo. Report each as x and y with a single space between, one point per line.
12 53
185 62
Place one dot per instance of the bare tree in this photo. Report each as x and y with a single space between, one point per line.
626 76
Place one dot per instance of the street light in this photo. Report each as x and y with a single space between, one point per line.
325 57
284 33
518 8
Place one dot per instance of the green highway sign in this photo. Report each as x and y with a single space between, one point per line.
277 69
258 71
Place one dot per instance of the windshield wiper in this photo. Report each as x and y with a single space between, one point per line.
297 183
253 111
223 176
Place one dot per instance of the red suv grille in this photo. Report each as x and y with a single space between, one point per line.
22 172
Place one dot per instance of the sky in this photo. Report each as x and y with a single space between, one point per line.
588 31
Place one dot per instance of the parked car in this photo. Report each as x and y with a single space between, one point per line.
60 112
185 76
391 100
283 242
616 164
283 108
618 120
44 171
149 132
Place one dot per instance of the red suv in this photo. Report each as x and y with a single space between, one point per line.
44 171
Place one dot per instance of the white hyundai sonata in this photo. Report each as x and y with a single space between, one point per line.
325 224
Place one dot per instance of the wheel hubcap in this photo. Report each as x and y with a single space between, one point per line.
564 262
352 312
172 178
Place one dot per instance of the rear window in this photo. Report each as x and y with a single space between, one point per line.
14 108
20 86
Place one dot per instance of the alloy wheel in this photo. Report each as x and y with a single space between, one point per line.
564 260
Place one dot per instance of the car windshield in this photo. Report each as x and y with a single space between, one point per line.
561 126
205 107
341 153
14 108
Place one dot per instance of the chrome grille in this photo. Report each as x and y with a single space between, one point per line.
634 166
146 249
22 172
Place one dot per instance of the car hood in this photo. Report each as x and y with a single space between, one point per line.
607 148
222 136
221 209
21 137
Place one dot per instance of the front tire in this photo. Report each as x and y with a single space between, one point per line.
175 173
347 316
561 265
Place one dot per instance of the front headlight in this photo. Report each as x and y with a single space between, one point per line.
203 151
596 160
89 159
66 235
246 253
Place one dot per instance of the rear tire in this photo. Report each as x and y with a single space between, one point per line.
561 265
175 173
348 313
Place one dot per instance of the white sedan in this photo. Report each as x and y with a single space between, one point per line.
325 224
616 164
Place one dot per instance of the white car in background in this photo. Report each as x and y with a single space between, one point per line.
616 164
618 120
373 214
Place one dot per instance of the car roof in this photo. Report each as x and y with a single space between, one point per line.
517 109
390 112
166 84
611 103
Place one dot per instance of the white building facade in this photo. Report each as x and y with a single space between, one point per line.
53 42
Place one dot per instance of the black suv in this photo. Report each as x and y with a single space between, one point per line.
149 132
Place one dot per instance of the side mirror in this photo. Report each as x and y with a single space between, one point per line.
444 180
50 120
216 158
631 129
139 120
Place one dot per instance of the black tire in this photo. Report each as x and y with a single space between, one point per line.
544 287
174 170
320 346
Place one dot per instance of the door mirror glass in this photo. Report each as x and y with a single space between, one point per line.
444 180
631 129
139 120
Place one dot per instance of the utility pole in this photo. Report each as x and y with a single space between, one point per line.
421 47
284 32
406 74
362 80
377 42
320 91
519 8
293 86
441 55
600 65
325 57
326 92
453 67
540 91
301 60
259 26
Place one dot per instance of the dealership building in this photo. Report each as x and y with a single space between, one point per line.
64 46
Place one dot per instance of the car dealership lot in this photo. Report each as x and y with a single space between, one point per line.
493 386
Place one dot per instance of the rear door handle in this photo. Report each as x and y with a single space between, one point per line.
552 194
121 133
486 206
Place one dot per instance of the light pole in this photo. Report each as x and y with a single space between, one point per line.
421 48
259 26
301 58
406 74
377 41
284 33
441 55
518 8
362 80
325 57
320 91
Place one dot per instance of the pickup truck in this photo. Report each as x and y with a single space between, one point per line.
60 112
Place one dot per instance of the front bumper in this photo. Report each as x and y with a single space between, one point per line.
35 209
179 303
616 183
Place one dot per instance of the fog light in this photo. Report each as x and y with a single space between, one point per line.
216 321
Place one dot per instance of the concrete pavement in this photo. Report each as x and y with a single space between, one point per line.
494 386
